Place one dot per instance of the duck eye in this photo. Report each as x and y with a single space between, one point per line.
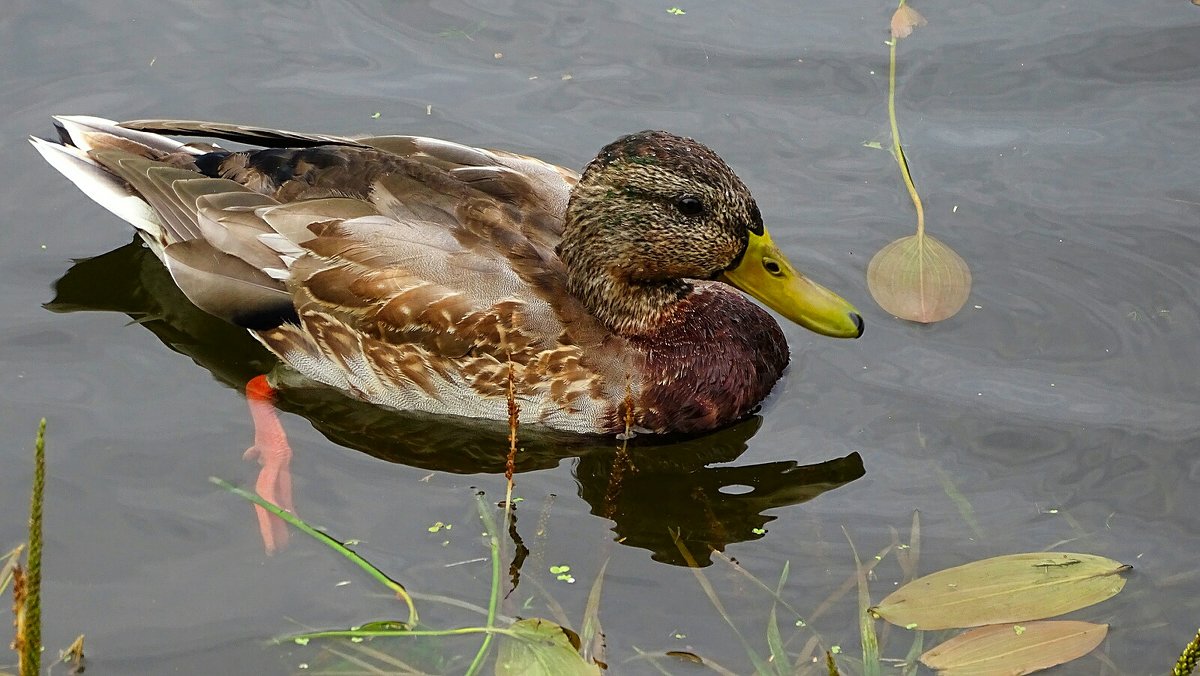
772 267
689 205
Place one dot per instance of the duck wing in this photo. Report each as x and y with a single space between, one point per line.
414 272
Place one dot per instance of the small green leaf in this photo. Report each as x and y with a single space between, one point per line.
920 279
1004 589
540 648
676 11
591 636
998 650
873 144
779 654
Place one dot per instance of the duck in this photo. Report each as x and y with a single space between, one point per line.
420 274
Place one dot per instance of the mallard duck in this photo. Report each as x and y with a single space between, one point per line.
420 274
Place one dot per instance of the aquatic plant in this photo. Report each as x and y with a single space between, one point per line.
917 277
1186 663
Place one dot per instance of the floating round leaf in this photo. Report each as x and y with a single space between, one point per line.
919 278
904 20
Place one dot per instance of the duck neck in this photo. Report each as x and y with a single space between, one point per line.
612 285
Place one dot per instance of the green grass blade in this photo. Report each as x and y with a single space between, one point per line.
328 541
866 624
779 656
721 556
959 500
590 629
760 665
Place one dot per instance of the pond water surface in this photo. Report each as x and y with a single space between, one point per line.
1055 145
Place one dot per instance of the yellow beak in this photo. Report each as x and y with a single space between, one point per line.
765 274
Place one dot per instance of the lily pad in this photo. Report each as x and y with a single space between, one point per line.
540 648
919 278
1012 588
905 20
1007 649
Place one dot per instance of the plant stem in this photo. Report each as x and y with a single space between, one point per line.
494 597
29 627
375 633
897 150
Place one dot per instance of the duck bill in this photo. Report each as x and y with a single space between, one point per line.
764 273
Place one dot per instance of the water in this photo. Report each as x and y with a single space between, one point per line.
1054 146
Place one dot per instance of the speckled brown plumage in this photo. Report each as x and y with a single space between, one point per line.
419 274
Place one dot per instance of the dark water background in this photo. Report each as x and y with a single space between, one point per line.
1056 146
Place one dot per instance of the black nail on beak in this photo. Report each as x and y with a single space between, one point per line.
858 321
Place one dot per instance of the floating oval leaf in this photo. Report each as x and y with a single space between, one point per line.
1007 649
904 20
920 279
540 648
1012 588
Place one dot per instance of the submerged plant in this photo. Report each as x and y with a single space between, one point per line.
915 277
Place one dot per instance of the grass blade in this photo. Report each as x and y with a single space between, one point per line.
759 665
328 541
866 624
591 633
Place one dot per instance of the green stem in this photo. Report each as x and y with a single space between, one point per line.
328 541
375 633
494 597
897 150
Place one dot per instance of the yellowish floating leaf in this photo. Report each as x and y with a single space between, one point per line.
1011 588
920 279
540 648
1000 650
905 20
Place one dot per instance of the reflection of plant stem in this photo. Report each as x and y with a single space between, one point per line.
898 151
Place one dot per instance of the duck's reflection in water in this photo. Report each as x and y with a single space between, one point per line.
649 490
